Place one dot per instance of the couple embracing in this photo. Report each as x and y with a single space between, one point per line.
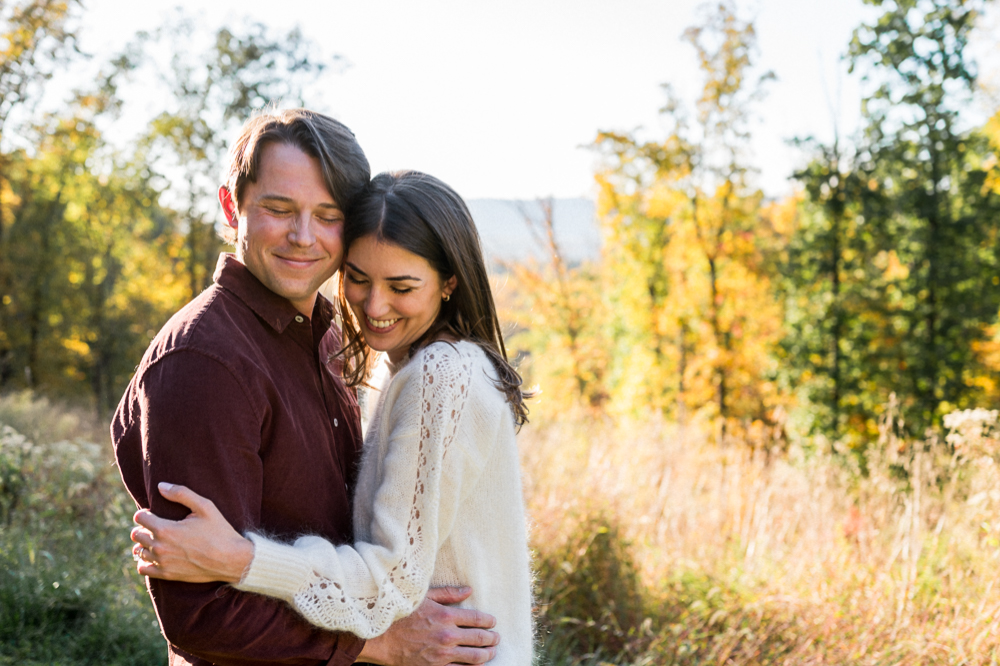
270 533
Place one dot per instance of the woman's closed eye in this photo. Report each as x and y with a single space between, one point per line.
356 280
400 290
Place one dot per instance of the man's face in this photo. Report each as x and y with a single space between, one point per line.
290 229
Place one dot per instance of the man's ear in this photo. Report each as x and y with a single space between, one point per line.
229 207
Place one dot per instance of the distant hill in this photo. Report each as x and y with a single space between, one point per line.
506 234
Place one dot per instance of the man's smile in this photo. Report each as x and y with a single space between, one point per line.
298 262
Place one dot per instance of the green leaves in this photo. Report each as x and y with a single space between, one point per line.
101 242
897 247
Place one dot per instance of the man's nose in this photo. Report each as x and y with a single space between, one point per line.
301 232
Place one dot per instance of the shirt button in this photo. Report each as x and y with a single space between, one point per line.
335 423
299 318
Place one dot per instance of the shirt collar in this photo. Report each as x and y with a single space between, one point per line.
277 311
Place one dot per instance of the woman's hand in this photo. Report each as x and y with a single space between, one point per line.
202 548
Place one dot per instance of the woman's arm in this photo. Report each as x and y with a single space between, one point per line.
361 589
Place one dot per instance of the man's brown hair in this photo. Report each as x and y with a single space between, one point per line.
344 165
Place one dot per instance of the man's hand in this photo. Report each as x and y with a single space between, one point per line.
436 635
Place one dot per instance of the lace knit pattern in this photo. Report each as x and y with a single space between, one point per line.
440 460
324 601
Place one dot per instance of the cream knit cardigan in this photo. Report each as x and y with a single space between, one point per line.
438 502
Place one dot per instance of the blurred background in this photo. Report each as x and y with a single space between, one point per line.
748 251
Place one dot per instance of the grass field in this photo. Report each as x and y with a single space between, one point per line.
655 547
68 591
652 546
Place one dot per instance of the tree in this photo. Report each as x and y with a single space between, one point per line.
687 222
891 273
212 93
823 258
36 36
88 246
561 314
95 261
926 200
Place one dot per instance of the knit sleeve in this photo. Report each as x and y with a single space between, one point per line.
363 588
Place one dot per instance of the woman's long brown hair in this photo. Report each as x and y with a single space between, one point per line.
422 215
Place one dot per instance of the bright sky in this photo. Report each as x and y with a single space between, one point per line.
499 98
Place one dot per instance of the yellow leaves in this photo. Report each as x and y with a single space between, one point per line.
78 347
783 215
992 130
666 202
990 164
892 268
987 352
75 210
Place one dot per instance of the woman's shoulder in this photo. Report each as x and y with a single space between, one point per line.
446 354
447 363
449 359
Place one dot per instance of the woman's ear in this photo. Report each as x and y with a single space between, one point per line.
229 207
449 285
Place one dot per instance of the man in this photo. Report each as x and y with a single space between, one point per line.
239 397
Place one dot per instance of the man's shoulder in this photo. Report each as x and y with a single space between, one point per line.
210 326
200 336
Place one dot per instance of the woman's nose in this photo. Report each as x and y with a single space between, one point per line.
376 304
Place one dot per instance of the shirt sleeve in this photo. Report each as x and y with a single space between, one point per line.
364 588
201 429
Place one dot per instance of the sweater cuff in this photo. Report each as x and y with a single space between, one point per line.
277 570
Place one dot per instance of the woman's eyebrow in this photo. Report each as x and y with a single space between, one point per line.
356 269
395 278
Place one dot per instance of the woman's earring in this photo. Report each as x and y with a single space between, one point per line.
446 298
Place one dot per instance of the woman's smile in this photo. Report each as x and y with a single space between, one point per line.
381 325
394 294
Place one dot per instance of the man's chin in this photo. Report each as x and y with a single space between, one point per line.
297 293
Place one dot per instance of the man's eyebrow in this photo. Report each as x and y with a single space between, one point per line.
395 278
283 199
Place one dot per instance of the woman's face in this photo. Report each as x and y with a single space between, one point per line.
395 294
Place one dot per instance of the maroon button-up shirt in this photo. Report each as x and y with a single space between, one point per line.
238 399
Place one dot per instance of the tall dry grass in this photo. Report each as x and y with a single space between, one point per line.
655 546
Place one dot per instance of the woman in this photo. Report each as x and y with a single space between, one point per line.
438 498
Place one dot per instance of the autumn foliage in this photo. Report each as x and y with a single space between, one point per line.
714 304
